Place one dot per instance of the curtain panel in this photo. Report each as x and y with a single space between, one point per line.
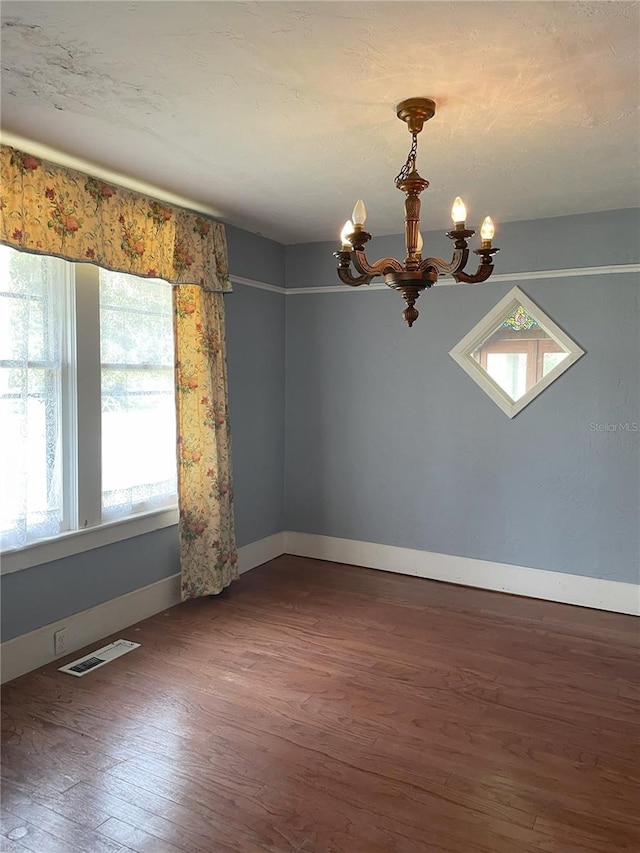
207 537
48 209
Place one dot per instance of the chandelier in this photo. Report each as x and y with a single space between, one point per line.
416 274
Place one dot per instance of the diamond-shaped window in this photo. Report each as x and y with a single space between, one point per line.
515 352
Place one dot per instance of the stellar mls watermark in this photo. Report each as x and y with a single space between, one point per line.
620 426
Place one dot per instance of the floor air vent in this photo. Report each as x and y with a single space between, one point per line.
91 661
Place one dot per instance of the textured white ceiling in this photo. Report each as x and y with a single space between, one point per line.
280 115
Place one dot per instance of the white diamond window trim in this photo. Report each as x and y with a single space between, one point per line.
515 352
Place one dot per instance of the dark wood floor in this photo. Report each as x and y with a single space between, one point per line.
329 709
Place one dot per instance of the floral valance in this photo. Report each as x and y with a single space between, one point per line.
52 210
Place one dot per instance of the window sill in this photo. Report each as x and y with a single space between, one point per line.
78 541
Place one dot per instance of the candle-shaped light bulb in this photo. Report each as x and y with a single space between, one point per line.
458 212
359 214
419 244
488 229
345 234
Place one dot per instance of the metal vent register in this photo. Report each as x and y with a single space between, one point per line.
93 660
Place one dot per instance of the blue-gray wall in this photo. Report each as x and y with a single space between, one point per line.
372 431
583 240
256 361
255 355
389 441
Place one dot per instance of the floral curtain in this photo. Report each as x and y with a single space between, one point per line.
56 211
47 209
207 542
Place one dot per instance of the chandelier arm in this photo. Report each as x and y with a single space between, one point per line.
381 267
485 269
458 262
346 277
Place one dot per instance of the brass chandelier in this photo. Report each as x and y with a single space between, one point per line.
416 274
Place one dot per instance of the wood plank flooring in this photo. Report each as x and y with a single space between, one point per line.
321 708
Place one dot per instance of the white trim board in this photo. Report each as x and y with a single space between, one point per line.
53 155
259 285
259 552
35 649
596 593
448 281
85 539
531 275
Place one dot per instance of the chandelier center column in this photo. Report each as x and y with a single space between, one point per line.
412 186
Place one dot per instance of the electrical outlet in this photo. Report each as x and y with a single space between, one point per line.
60 641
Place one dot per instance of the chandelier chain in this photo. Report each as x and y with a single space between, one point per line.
410 165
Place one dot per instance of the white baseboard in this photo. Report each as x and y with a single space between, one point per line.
257 553
35 649
30 651
582 591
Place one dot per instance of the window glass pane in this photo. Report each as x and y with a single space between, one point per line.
550 359
138 408
509 370
32 328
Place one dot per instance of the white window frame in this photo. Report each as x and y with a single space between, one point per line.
462 353
82 426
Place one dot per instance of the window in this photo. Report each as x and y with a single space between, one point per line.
86 397
517 361
515 352
137 393
33 319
